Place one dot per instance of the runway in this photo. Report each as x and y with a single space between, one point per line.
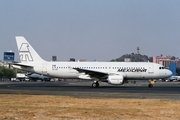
83 89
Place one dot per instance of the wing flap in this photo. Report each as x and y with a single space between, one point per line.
93 73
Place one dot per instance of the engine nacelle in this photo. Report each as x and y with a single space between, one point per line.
86 77
115 79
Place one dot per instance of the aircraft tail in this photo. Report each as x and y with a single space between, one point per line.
27 53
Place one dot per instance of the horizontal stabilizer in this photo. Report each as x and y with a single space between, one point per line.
23 65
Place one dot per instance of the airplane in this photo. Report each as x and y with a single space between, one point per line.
173 78
35 77
178 78
115 73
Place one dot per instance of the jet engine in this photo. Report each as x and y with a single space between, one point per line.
83 76
115 79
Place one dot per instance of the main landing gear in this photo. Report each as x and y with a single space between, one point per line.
151 83
95 84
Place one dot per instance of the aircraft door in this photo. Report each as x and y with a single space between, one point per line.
151 68
44 68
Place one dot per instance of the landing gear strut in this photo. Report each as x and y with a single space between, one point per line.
151 83
95 84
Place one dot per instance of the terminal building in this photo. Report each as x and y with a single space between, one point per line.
169 62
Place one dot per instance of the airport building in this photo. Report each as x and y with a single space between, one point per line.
168 62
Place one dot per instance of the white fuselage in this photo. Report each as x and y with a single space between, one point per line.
129 70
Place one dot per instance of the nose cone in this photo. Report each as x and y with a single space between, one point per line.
168 73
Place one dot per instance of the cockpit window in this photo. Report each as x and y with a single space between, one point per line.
161 67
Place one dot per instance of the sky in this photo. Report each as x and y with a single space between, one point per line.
99 30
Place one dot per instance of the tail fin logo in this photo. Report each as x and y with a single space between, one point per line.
24 53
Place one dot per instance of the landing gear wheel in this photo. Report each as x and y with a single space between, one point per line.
150 85
95 85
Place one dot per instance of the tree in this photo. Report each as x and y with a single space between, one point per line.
7 73
173 58
133 57
1 72
150 59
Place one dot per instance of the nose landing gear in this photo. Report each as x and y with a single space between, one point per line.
151 83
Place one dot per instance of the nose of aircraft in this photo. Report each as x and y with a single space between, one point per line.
168 73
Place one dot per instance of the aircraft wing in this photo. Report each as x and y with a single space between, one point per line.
92 73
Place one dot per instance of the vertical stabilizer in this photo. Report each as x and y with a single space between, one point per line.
26 51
